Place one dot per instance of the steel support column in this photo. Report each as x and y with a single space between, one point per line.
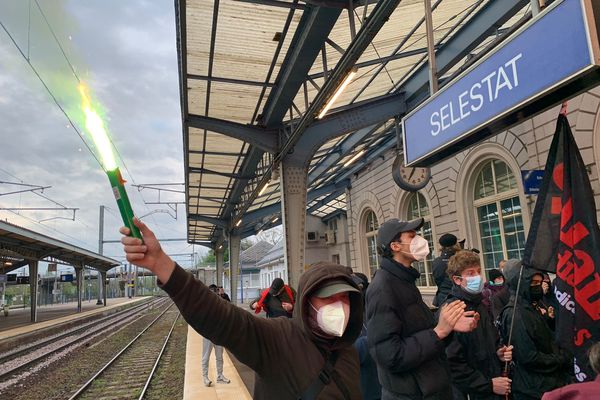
234 265
79 276
220 255
102 277
293 186
33 288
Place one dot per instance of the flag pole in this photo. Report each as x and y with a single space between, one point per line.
512 321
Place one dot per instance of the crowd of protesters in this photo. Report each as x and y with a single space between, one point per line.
401 348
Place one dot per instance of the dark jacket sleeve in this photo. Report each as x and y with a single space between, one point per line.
527 354
468 379
221 322
389 348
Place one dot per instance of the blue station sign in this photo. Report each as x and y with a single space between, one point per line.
553 57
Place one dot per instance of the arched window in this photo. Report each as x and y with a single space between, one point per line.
499 214
371 226
417 208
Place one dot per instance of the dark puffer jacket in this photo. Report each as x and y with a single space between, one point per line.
409 355
285 354
540 365
472 356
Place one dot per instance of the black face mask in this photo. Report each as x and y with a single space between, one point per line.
536 293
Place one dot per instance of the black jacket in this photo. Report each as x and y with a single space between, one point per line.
472 356
540 365
409 355
284 352
272 304
439 266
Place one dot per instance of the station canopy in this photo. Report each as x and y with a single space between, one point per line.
19 246
255 73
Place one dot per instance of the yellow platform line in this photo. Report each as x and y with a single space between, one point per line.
194 389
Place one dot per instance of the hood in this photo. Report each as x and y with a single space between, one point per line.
511 276
313 279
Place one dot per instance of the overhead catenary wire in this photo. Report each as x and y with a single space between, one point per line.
27 60
81 136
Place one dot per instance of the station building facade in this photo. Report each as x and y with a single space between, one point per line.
478 194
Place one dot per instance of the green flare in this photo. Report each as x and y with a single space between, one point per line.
118 187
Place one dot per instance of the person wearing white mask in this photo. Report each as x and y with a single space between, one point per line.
476 358
309 356
404 339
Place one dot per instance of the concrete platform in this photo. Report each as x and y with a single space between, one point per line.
17 322
194 388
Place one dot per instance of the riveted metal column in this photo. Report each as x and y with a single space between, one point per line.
33 288
220 254
101 288
104 285
234 265
293 205
79 276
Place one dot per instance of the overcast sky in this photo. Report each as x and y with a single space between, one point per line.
126 52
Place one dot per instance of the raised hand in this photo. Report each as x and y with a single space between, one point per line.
147 254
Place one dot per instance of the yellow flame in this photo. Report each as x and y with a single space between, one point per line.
95 127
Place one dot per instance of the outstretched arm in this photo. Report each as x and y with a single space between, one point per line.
215 319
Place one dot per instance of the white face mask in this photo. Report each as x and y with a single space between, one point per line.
333 318
419 247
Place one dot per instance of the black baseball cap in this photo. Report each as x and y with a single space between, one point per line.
391 228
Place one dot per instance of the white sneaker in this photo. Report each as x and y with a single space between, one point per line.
222 379
207 382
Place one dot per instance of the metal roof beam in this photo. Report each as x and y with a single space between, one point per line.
229 80
366 115
484 23
210 220
275 3
225 174
262 138
344 148
345 175
311 33
327 199
253 216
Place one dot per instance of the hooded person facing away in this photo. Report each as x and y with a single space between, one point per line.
540 365
308 356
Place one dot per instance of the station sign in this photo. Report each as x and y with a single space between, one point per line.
532 180
550 59
11 278
22 280
66 278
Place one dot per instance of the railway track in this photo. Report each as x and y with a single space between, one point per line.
38 353
129 373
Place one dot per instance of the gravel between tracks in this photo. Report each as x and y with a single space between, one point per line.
62 378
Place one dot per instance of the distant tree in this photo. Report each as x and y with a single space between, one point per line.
272 235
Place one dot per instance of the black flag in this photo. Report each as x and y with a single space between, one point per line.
564 239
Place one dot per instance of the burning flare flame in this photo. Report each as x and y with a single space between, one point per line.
95 127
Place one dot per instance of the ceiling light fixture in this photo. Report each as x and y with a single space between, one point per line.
353 159
338 92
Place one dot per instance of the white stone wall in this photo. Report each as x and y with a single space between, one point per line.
523 147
